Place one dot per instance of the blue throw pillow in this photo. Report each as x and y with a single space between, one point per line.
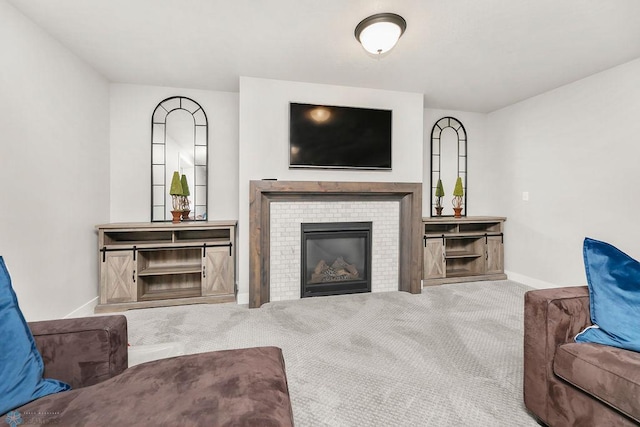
21 365
614 296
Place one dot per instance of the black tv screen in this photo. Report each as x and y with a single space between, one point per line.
322 136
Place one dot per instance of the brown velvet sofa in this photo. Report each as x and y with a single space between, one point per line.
575 384
244 387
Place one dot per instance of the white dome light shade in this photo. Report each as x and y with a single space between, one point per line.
380 33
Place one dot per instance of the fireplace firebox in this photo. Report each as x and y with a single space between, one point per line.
336 258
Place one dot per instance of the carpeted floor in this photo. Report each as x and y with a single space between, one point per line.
451 356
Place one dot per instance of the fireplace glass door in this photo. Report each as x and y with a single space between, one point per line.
336 258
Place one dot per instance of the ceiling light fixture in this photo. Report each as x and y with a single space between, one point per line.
379 33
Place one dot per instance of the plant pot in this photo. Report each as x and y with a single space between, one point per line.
457 212
439 210
176 216
185 215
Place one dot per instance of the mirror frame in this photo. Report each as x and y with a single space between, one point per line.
436 149
159 138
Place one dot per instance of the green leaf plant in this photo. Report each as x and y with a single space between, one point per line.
458 192
176 191
184 200
439 193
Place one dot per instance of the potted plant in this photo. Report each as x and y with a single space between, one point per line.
458 192
176 193
184 199
439 196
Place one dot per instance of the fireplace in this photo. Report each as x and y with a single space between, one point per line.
266 255
335 258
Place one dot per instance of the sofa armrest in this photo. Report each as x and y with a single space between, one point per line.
82 351
552 317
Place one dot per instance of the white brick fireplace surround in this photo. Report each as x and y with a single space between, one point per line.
277 208
286 218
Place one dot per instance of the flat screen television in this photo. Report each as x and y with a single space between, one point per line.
322 136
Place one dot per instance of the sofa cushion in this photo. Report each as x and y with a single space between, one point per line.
610 374
245 387
21 365
614 296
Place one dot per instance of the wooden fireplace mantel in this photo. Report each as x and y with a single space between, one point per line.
262 193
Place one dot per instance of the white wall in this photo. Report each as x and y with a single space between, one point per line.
264 142
479 163
576 151
54 166
131 109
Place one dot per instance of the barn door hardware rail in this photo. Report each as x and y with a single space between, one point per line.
204 247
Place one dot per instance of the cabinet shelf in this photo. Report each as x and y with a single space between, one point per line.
459 272
168 270
462 254
155 295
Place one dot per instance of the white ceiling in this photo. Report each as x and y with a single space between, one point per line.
470 55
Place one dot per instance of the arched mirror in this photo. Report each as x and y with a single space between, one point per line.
448 162
179 143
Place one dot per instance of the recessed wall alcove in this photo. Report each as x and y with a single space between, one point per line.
263 193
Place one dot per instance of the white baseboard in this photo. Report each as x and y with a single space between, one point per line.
84 310
242 298
535 283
